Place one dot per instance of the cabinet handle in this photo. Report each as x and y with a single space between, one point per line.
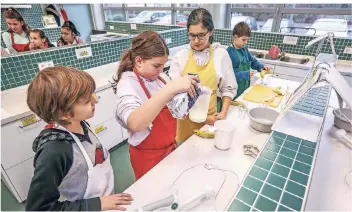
22 127
105 128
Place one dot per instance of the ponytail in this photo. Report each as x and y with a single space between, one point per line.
125 65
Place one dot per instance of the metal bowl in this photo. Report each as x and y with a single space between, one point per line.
262 119
340 119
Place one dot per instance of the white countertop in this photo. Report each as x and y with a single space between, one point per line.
327 189
157 182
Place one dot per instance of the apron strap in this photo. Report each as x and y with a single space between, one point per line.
12 38
143 85
79 144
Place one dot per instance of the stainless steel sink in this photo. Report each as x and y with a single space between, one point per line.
294 60
257 54
286 59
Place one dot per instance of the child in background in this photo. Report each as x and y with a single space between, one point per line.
242 60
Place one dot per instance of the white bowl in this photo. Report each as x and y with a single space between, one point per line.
262 119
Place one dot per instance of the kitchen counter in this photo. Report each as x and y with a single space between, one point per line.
156 184
327 189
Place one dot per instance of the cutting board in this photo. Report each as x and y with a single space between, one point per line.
260 93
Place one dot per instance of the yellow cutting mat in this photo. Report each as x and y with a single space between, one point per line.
261 93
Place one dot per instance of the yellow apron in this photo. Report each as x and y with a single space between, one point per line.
207 76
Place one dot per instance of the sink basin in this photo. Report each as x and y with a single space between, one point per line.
294 60
257 54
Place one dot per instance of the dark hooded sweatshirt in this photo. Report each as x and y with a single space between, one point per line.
61 172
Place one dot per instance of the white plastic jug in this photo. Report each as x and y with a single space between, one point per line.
199 112
224 131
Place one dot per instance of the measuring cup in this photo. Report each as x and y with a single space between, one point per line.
199 112
224 131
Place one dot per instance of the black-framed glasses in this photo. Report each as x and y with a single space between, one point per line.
200 36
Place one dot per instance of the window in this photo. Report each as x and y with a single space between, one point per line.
253 5
188 5
319 6
158 5
254 20
148 16
113 12
313 24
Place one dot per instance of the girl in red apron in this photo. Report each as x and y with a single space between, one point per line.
16 38
142 93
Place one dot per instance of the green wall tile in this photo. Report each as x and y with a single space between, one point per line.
276 180
265 204
280 170
298 177
271 192
263 163
238 206
291 201
253 183
258 173
246 196
295 188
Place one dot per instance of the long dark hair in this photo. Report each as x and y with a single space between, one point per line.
146 45
202 16
41 34
12 13
71 27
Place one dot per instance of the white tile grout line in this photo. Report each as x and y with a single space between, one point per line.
260 191
278 174
287 158
318 145
289 173
258 194
283 189
246 204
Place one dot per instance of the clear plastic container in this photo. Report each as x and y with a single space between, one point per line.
199 112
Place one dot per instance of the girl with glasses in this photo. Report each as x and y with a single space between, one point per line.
213 66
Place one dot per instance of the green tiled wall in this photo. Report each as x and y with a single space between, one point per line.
279 178
33 17
263 41
18 70
124 27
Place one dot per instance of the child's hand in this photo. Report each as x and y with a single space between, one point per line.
113 202
251 73
186 83
211 119
220 116
267 68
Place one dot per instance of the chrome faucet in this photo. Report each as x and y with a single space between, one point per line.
328 36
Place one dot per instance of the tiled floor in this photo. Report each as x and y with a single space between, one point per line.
123 172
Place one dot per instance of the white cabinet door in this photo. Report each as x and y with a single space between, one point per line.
17 139
295 72
109 133
20 177
105 108
125 134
